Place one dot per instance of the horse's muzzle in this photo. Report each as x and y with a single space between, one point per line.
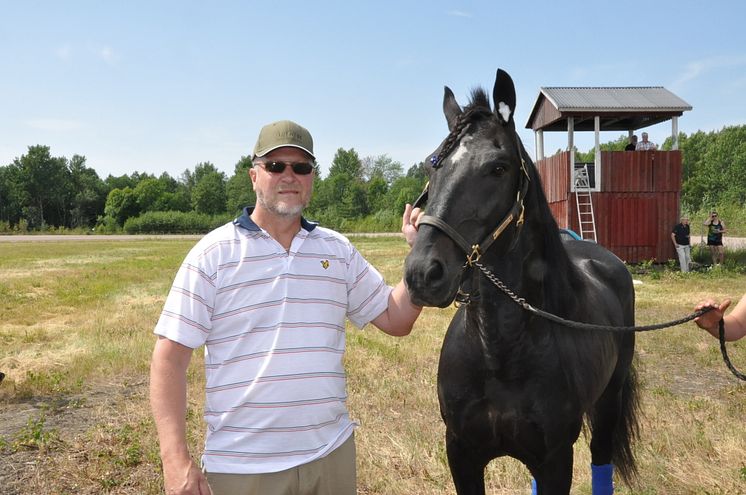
428 280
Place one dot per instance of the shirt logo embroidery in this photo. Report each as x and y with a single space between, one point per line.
325 264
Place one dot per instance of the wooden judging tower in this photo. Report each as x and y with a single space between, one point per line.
630 197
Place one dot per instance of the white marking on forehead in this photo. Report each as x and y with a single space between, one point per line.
461 151
504 110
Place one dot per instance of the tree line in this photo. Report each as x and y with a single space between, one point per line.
41 192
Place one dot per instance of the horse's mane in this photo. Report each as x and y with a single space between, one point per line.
479 99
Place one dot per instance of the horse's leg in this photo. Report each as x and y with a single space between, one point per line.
604 420
554 476
467 472
613 427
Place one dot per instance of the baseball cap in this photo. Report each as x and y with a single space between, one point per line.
283 133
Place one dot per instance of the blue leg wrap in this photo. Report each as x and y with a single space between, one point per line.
533 486
602 479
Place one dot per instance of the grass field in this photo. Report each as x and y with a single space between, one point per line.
76 325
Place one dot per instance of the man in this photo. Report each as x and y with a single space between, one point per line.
681 241
268 295
646 145
632 143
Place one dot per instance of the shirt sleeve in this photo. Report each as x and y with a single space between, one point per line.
187 313
367 292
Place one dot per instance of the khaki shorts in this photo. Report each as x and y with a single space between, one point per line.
331 475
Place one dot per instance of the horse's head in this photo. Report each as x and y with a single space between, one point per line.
478 180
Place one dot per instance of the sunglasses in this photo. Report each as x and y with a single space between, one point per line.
299 168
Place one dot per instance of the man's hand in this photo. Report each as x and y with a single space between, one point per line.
709 321
409 223
184 479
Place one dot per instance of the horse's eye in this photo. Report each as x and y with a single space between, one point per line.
499 170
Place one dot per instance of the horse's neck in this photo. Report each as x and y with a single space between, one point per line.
524 272
497 313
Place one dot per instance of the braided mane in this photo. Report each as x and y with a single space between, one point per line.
479 106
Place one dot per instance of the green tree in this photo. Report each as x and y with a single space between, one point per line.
148 193
377 188
238 189
714 166
418 171
208 195
121 204
11 194
354 202
381 166
347 162
45 187
89 193
404 190
120 182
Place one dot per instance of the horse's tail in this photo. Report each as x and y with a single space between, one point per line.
627 429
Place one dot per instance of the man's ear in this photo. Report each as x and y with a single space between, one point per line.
252 175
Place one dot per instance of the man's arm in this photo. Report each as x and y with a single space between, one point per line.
181 475
401 314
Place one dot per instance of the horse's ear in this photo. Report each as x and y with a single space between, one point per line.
504 96
451 109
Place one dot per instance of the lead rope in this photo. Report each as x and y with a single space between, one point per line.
721 336
591 326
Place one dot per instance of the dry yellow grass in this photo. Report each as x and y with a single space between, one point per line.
75 329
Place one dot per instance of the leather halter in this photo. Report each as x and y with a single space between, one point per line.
475 251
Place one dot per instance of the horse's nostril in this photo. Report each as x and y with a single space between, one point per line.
434 272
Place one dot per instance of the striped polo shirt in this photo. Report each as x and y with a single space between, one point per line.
273 325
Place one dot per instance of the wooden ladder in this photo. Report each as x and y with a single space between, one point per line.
584 203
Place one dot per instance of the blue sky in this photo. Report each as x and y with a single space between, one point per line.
161 86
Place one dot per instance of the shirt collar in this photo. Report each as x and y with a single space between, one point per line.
247 223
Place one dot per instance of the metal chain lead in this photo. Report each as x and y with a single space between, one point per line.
590 326
577 324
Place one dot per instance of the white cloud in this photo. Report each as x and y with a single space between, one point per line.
698 68
54 125
458 13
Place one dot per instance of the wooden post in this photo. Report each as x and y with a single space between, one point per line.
539 137
571 144
597 130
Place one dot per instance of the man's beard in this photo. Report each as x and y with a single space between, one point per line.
278 208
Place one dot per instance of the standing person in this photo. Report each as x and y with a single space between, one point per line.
715 231
735 322
632 143
646 145
681 241
267 295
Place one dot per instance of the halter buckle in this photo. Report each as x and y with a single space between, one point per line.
462 299
474 256
519 222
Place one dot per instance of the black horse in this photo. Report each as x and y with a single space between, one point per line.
509 382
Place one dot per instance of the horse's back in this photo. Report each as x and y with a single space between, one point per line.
604 270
